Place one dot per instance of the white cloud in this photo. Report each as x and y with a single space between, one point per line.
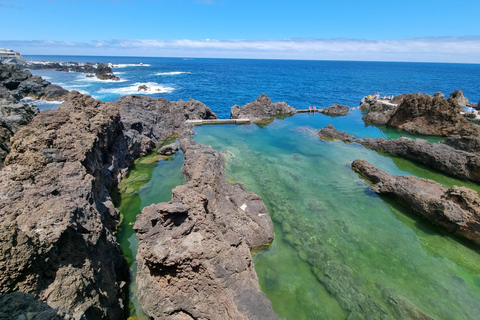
428 49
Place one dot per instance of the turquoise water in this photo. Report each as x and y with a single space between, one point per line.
340 250
150 180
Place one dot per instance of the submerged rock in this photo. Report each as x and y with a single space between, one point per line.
260 109
457 209
335 110
194 259
423 114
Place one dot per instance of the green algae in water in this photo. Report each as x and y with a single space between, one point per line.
340 250
150 180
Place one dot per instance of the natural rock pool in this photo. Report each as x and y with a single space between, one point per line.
150 180
340 250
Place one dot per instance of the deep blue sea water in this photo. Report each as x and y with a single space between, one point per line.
222 83
340 250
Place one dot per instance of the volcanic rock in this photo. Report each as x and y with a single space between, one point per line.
261 109
457 156
335 110
380 105
460 98
457 209
168 150
194 259
56 216
21 305
330 133
38 88
425 115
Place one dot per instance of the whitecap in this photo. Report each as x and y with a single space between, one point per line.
124 65
152 88
173 73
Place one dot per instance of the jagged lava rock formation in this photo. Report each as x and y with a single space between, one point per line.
13 115
194 259
424 114
56 217
457 209
457 156
335 110
261 109
23 84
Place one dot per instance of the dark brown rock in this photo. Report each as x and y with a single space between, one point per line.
423 114
330 133
457 156
56 216
457 209
261 109
194 259
335 110
21 305
459 98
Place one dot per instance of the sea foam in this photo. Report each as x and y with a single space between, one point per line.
124 65
173 73
152 88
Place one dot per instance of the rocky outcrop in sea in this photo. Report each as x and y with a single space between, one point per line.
101 70
456 209
335 110
457 156
261 109
23 84
422 114
56 216
194 259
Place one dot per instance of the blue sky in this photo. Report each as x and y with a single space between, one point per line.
422 30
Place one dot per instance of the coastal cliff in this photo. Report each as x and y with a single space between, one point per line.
56 215
194 259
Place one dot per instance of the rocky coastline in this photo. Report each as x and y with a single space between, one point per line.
60 168
421 113
14 86
194 259
100 70
456 209
57 244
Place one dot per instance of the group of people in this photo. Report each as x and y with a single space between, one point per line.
312 109
377 96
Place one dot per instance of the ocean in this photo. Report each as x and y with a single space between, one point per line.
340 250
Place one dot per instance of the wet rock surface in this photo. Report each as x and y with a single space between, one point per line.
457 209
335 110
424 114
194 259
261 109
457 156
56 216
101 70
